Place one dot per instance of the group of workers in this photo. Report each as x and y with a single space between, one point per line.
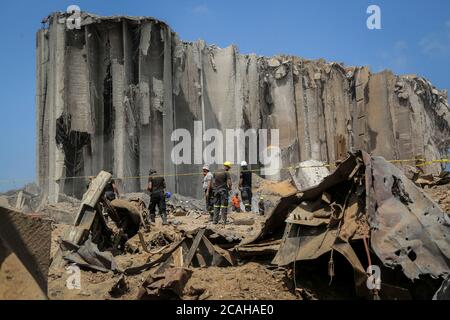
216 187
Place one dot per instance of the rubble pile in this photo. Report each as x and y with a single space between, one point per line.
313 243
156 261
368 212
325 226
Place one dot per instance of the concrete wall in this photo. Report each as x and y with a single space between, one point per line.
110 94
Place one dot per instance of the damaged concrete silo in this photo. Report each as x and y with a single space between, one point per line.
110 94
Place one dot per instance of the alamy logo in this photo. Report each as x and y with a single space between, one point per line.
374 279
213 147
374 20
74 21
73 281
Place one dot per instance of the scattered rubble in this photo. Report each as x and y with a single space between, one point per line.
153 252
366 205
169 285
250 281
330 224
310 236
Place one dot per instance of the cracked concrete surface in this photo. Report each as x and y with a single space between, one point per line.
110 94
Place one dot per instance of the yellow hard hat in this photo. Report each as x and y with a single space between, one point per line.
227 164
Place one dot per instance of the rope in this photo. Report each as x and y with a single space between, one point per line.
424 163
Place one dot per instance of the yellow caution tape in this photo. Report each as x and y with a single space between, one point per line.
419 163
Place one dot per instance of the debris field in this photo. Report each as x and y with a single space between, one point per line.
358 208
314 243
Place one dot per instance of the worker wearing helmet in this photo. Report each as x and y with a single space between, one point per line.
222 186
261 206
208 191
245 186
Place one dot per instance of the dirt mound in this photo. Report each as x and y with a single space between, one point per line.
251 281
268 187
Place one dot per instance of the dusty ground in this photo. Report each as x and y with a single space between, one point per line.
16 282
440 194
188 223
251 281
268 187
248 280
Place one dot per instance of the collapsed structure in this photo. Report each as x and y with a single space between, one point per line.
365 214
367 203
110 94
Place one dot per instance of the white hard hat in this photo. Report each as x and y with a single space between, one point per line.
206 167
244 163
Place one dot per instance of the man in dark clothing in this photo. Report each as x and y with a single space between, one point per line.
156 186
245 186
221 186
261 206
111 191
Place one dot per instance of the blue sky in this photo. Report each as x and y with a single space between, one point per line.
415 38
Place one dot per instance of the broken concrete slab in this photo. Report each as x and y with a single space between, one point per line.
308 173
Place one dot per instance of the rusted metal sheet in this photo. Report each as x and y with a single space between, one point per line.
368 198
276 218
89 256
269 247
221 257
169 285
196 252
443 293
165 254
408 228
194 247
309 245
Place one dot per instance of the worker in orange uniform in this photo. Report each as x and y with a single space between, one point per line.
236 203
